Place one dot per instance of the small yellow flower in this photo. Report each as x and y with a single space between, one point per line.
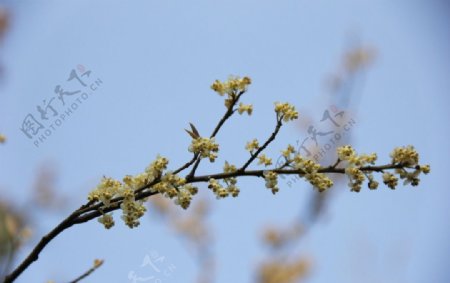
263 159
286 111
252 145
271 181
206 147
245 108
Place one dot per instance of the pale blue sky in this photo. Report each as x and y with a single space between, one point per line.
157 59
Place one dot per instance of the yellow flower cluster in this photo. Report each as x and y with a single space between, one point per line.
174 186
132 210
412 177
407 156
108 188
252 145
347 153
356 178
217 188
232 86
245 108
310 172
271 181
105 191
206 147
230 189
231 182
155 169
2 138
355 162
390 180
286 111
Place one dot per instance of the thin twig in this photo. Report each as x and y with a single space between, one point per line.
97 264
226 116
264 146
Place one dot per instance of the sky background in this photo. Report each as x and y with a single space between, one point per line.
157 59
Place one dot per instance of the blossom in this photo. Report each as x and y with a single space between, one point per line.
390 180
347 153
263 159
356 178
132 210
205 147
184 198
105 191
425 168
286 111
252 145
233 85
245 108
271 178
229 168
107 220
156 168
407 156
288 151
217 189
309 170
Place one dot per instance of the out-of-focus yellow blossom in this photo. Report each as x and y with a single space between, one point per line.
2 138
245 108
206 147
252 145
286 111
277 271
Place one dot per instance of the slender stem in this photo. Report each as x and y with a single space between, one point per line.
264 146
187 165
34 255
97 265
226 116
